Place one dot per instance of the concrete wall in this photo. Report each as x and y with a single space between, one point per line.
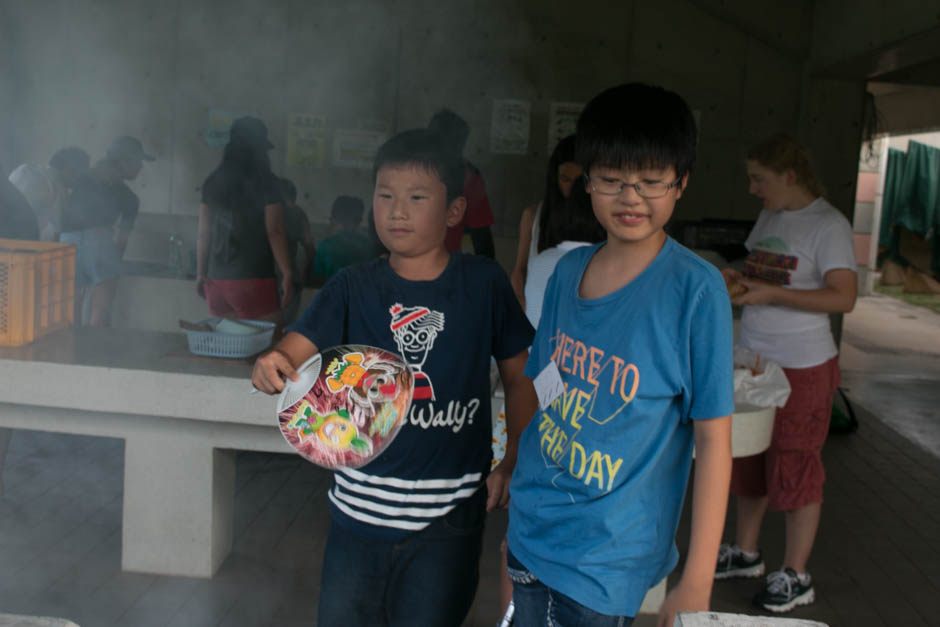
9 84
99 68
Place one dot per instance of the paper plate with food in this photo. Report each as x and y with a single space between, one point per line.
347 406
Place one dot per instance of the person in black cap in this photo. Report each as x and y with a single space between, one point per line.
241 231
99 202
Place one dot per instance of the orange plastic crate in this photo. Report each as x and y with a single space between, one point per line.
37 289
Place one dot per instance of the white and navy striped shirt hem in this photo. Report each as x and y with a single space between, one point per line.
402 504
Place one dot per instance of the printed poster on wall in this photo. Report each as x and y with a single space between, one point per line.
509 133
219 123
306 140
562 121
356 148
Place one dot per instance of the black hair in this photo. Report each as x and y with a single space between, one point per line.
637 126
423 148
71 157
347 210
552 200
453 128
243 176
288 189
572 220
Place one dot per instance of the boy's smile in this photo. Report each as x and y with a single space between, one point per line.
626 216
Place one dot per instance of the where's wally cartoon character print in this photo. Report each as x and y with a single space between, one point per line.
414 330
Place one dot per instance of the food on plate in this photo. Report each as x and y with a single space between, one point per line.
735 288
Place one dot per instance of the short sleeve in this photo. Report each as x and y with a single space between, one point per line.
835 249
209 194
270 193
541 351
129 207
512 332
711 355
754 236
325 321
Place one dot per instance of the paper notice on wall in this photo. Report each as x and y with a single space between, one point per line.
354 148
306 140
219 123
509 133
562 121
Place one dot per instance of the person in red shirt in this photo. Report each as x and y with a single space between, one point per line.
479 215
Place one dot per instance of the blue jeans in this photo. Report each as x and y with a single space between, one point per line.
537 605
427 579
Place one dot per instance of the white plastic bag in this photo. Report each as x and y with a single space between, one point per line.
757 382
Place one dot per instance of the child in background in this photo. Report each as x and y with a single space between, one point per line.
478 217
299 238
560 176
407 528
635 340
347 244
801 267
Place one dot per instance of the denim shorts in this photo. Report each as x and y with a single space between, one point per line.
537 605
96 255
427 579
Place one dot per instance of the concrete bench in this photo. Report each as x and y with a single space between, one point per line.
14 620
182 419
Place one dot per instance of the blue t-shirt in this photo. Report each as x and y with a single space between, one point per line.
598 487
447 330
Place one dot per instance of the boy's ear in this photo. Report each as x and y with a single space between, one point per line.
455 211
682 185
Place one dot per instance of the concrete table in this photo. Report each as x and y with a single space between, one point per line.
182 419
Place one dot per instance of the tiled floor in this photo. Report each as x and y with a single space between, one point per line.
877 559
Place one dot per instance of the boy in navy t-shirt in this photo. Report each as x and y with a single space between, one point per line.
406 531
638 329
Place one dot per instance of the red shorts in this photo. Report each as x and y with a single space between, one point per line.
790 473
245 298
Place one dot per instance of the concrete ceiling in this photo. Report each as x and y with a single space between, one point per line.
914 60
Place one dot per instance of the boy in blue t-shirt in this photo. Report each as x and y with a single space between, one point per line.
407 528
638 329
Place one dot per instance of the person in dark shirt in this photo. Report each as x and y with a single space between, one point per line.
17 220
346 245
299 239
478 217
99 202
241 231
407 528
46 187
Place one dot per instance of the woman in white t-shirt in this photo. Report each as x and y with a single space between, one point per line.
800 268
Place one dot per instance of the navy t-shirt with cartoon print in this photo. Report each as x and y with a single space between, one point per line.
446 329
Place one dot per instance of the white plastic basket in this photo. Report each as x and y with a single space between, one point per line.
232 345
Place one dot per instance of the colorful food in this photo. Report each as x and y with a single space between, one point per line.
354 408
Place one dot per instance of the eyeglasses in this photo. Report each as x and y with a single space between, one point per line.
645 189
